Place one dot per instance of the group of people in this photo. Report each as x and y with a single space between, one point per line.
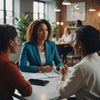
37 55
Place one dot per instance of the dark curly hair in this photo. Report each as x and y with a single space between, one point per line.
89 37
32 30
7 32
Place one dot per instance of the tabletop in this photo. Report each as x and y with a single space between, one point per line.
47 92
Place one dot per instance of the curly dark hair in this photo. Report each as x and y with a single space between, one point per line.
89 37
32 30
7 32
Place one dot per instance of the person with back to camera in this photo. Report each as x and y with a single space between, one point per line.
38 52
10 76
84 78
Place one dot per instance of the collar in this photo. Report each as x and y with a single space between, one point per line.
89 56
4 56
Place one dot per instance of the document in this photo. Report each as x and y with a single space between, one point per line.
40 75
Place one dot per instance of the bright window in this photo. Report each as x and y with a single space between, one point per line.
38 10
6 11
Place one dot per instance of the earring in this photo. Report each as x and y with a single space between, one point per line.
79 47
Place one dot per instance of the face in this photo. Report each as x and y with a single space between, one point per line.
42 32
14 44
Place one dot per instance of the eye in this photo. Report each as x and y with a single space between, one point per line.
40 30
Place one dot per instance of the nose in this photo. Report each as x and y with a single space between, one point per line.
44 31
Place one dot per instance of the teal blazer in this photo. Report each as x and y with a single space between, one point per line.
30 57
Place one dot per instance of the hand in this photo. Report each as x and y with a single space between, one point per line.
63 71
47 68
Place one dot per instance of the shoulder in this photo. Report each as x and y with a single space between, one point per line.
50 42
27 44
10 66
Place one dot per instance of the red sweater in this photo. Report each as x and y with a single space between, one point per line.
11 79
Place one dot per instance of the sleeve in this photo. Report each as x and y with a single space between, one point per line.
72 84
17 81
62 37
57 60
23 61
69 40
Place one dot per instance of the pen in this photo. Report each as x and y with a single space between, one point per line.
56 72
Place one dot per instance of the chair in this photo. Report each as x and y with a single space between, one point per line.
72 56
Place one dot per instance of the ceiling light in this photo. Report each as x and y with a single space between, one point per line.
77 6
66 2
92 9
57 9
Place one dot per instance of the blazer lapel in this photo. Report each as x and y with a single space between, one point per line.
36 53
48 53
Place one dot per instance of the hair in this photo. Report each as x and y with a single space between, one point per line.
89 37
67 30
79 23
32 30
7 33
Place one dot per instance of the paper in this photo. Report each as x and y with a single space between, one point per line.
40 75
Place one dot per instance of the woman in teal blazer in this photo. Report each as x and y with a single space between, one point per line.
38 35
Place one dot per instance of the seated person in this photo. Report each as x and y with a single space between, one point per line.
68 39
84 78
10 76
39 52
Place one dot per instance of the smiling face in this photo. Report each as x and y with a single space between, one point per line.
42 32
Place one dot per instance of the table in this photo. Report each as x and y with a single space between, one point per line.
48 92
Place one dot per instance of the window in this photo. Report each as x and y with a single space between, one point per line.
38 10
6 11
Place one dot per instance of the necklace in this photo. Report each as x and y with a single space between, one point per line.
41 48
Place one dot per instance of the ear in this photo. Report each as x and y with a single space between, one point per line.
11 43
80 45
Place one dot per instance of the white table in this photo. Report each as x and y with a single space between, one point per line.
43 92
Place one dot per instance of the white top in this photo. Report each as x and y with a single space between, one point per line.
84 79
68 38
43 58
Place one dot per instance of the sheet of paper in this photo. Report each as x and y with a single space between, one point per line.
40 75
52 74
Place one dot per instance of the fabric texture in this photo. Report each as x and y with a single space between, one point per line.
30 56
11 79
83 79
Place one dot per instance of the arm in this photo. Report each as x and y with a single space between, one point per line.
72 84
23 61
17 81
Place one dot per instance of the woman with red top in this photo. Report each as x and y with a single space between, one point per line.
10 76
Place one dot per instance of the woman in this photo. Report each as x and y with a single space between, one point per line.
39 52
10 77
68 39
84 78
